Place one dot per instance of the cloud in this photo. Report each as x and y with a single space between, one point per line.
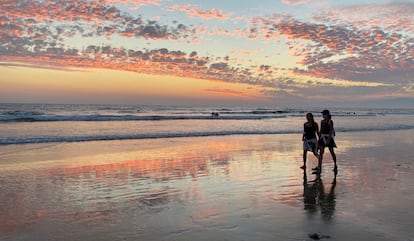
88 18
409 87
227 92
342 50
335 48
295 2
245 52
34 65
390 17
193 11
135 3
166 62
308 3
52 10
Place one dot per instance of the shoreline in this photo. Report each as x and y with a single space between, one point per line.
11 149
208 188
148 137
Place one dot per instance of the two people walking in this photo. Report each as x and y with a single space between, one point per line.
315 140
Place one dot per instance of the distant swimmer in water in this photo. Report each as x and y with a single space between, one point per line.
214 114
310 143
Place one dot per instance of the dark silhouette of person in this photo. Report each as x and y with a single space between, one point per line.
326 139
310 143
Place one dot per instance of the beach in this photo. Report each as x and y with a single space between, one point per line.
162 120
232 187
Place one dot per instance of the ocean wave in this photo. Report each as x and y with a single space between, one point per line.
48 112
98 117
20 116
63 139
37 117
31 140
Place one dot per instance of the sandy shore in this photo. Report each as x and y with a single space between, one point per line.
208 188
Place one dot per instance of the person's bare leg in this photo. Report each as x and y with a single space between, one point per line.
331 150
304 159
320 157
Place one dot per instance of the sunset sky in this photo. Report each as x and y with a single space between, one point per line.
207 52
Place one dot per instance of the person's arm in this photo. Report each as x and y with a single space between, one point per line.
330 131
303 135
318 133
331 128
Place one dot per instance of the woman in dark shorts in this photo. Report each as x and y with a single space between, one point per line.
326 139
310 143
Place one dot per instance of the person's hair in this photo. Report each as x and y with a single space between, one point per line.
311 115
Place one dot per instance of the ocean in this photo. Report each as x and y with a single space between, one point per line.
129 172
59 123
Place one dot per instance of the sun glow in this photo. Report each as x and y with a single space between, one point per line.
103 84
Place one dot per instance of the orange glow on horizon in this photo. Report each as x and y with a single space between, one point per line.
98 83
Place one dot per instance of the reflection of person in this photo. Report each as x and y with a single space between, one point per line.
310 193
326 139
314 196
310 143
327 201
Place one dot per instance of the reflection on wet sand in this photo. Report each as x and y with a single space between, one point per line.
99 191
315 198
221 188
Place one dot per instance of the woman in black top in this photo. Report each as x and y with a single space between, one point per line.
326 139
310 143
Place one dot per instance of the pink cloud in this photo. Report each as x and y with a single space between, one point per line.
294 2
157 61
193 11
227 92
390 17
244 52
338 45
49 9
88 18
340 50
138 2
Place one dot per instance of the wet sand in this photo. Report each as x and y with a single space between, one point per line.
208 188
